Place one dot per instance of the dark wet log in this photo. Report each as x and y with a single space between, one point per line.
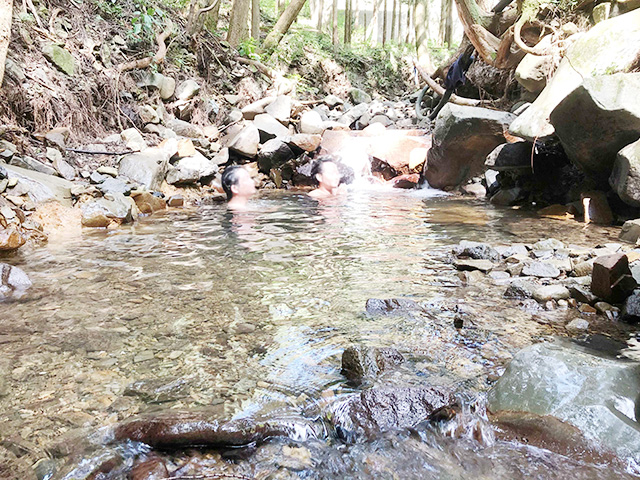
184 429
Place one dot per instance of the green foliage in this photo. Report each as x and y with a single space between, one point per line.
146 20
248 48
109 8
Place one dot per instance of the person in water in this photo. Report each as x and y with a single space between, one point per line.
325 172
238 185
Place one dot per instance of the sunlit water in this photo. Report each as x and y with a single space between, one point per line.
250 312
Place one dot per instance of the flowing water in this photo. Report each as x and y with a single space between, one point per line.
248 314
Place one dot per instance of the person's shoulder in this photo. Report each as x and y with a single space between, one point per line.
315 193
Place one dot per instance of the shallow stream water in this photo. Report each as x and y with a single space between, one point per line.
249 313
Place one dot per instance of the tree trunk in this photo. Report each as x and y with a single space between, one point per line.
372 31
6 12
446 22
211 19
334 22
394 7
282 25
280 8
347 22
421 23
356 15
320 19
384 23
255 19
409 9
238 22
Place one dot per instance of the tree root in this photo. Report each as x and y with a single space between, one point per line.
517 37
157 59
260 66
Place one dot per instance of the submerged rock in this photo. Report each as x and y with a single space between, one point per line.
359 363
366 415
13 281
595 393
392 306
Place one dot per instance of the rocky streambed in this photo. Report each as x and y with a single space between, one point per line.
322 339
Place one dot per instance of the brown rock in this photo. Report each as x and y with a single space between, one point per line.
607 270
11 238
186 148
152 468
306 142
175 201
148 203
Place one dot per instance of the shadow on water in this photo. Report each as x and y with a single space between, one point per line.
246 316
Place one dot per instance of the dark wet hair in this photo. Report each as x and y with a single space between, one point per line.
230 178
318 165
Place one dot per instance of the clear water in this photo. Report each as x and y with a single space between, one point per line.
250 312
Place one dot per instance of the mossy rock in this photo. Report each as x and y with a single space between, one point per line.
61 58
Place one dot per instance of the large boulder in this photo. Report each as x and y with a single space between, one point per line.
594 392
462 139
625 177
246 142
280 109
511 157
273 153
42 188
112 208
311 122
189 170
147 168
597 119
533 70
600 51
269 127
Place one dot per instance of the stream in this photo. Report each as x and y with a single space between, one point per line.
246 315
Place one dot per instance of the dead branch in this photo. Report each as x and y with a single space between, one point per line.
517 38
4 129
34 12
89 152
441 91
260 66
52 19
157 59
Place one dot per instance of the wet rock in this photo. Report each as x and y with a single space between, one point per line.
610 278
462 139
511 157
101 212
158 390
153 468
476 250
13 281
11 238
360 363
246 142
175 201
133 140
367 415
625 176
358 96
475 189
596 52
269 127
541 270
280 109
630 231
273 153
470 264
393 306
187 90
147 168
45 468
32 164
60 57
579 118
550 292
595 393
508 197
311 122
148 203
205 427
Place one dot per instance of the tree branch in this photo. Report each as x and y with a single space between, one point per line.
157 59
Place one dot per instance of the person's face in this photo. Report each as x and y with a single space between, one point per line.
329 177
245 187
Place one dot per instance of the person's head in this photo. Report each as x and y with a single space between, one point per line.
325 172
236 181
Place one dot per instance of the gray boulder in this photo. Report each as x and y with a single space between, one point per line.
510 157
353 114
184 129
597 119
360 363
13 281
462 139
476 250
596 52
358 96
147 168
246 142
189 170
113 207
273 153
112 185
280 109
42 188
593 392
269 127
625 177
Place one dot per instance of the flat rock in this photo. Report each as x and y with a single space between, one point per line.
464 264
269 127
158 390
550 292
147 168
32 164
541 270
476 250
246 141
42 188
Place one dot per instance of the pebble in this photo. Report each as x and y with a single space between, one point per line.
586 308
144 356
577 325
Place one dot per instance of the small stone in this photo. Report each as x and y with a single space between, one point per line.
187 90
548 244
586 308
541 270
603 307
133 140
470 264
573 303
583 268
551 292
144 356
65 170
499 275
607 270
111 171
577 325
148 114
244 328
175 201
